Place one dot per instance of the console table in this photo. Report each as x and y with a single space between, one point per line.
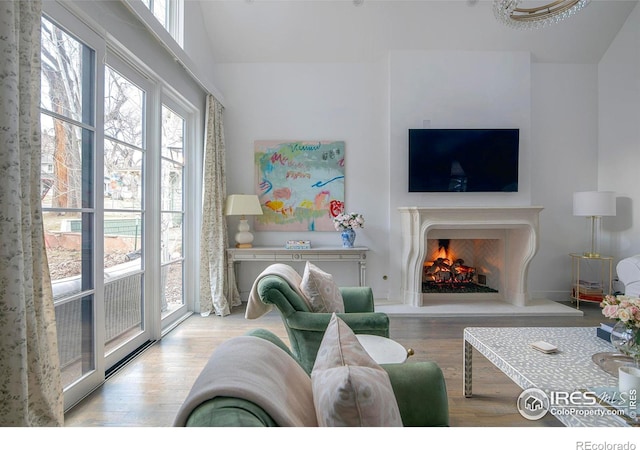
283 255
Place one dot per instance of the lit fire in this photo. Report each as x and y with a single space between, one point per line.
442 253
445 267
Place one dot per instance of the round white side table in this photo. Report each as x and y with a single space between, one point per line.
384 350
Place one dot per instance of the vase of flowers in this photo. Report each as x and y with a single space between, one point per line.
625 335
348 238
347 224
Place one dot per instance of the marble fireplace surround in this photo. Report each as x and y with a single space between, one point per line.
516 226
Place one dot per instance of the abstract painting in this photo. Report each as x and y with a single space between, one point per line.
300 184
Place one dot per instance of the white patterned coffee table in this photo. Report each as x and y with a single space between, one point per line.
571 370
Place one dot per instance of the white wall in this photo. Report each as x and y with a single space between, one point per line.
619 136
564 148
196 46
571 117
454 90
309 102
371 107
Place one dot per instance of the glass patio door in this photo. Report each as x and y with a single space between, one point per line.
172 219
94 129
118 144
125 223
69 136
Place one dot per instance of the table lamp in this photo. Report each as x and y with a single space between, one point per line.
243 205
594 205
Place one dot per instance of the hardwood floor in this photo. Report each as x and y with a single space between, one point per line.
148 391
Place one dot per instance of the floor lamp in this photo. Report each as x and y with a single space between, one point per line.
243 205
594 205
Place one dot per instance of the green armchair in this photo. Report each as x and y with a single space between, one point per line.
306 328
419 388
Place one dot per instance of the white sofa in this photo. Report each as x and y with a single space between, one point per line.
628 271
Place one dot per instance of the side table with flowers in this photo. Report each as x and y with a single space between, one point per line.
347 224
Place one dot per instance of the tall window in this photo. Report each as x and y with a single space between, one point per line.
170 15
68 149
172 205
124 219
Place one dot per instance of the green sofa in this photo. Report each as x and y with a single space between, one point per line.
306 328
419 388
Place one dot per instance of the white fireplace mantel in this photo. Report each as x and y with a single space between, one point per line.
519 226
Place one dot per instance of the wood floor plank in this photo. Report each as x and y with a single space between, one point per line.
148 391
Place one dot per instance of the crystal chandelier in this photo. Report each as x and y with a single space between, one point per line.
507 11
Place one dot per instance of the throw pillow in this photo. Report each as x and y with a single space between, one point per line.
319 287
349 388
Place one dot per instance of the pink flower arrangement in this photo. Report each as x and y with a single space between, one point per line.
349 221
622 308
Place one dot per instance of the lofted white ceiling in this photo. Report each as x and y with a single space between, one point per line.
340 31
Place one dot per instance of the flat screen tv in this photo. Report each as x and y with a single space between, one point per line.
463 160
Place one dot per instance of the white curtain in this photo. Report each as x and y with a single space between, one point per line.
30 385
217 292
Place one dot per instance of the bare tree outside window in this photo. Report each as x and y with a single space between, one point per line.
124 154
67 137
69 190
61 95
